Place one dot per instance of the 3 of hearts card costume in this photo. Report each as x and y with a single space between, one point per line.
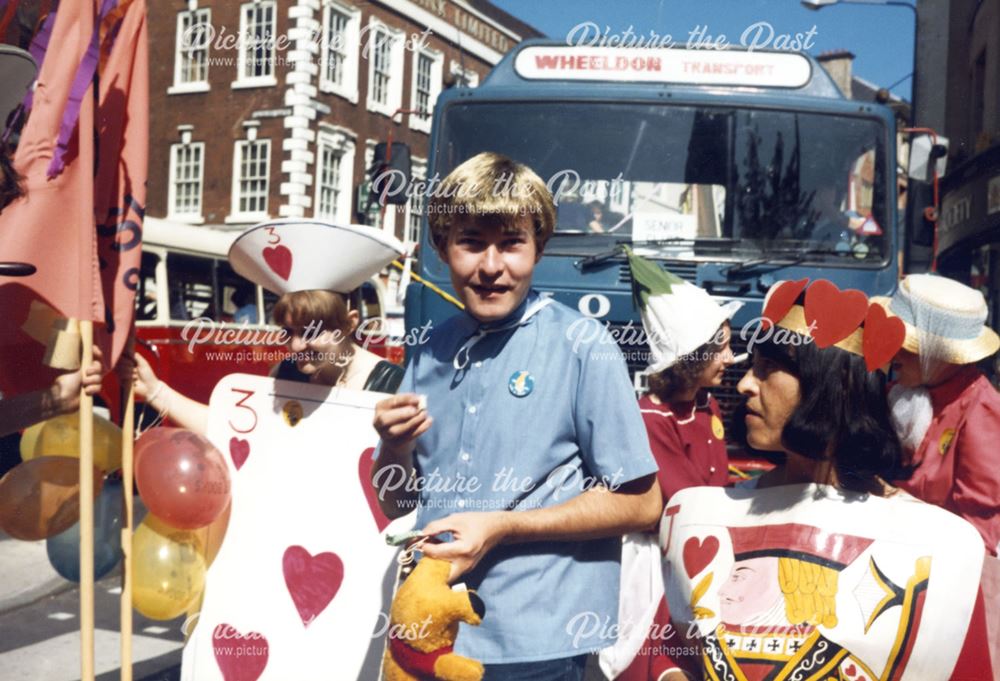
809 582
302 584
303 581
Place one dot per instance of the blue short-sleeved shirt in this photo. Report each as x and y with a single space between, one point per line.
540 412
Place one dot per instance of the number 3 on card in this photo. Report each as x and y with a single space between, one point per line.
252 418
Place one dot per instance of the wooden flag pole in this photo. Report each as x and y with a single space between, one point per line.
87 513
128 442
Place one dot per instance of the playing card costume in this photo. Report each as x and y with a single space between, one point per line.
812 581
302 583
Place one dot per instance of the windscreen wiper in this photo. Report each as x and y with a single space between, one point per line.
618 250
700 244
788 258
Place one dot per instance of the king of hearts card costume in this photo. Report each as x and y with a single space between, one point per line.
809 582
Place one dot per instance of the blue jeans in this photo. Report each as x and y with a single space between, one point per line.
563 669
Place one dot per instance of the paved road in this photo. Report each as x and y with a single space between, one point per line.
41 641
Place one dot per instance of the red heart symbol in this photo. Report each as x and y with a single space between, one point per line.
833 314
312 581
862 678
279 259
365 464
239 450
884 336
698 554
850 670
780 301
241 657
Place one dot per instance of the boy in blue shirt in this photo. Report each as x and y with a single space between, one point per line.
531 452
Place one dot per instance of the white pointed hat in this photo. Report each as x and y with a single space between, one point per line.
301 255
677 316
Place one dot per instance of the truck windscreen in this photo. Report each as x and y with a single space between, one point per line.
725 181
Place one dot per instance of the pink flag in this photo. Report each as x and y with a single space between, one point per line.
82 228
120 185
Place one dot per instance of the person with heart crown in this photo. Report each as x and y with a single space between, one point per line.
313 265
821 568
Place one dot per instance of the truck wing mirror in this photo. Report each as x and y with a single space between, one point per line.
924 156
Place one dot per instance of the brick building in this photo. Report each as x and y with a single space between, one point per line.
272 108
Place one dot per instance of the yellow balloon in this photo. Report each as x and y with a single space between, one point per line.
60 436
29 441
168 570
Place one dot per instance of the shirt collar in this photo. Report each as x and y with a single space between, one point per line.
515 314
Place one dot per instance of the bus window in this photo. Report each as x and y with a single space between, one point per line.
190 287
369 306
238 297
145 296
270 299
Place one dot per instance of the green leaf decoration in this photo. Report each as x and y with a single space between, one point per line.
649 279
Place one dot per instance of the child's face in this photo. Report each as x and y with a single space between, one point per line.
491 268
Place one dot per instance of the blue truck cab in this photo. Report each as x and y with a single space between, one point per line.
730 168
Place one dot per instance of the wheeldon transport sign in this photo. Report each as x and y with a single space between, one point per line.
691 67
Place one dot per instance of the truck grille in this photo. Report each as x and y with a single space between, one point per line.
685 270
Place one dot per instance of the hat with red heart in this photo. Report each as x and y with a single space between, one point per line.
830 316
301 255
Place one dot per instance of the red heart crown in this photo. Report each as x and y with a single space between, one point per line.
833 317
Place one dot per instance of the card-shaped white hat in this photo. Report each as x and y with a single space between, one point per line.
301 255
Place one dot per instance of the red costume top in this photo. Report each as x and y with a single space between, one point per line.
689 443
958 462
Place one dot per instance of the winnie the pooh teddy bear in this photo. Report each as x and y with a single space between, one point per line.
423 625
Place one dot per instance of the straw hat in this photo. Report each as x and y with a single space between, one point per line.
678 317
944 317
303 255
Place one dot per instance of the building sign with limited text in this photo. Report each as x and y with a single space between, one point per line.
691 67
468 23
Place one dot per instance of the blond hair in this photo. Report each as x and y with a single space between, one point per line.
491 190
327 308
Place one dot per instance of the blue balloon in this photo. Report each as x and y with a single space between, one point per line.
64 548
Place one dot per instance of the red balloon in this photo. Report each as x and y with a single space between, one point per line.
182 478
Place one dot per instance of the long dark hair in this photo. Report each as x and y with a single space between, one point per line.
843 414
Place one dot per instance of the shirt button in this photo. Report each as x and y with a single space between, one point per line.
477 364
465 456
711 469
460 503
472 409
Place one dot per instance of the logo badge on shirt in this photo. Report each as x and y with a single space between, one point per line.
521 384
718 430
945 442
